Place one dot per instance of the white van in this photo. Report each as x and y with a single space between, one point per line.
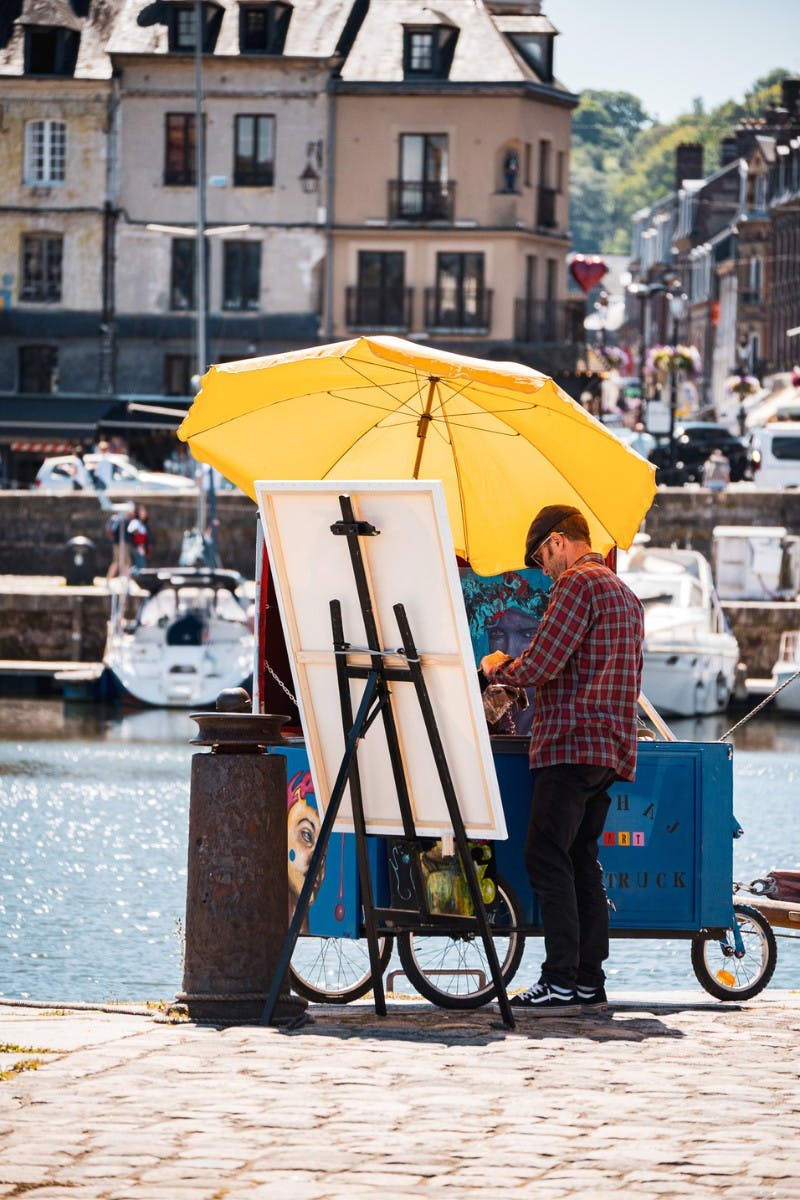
775 451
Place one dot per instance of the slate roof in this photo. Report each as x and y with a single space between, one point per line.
140 27
482 54
94 28
314 29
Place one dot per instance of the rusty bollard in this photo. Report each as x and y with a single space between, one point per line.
237 887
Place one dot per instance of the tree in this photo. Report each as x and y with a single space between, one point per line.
622 160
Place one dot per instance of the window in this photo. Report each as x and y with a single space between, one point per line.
41 267
528 164
38 369
50 50
45 152
381 289
537 50
755 280
263 28
459 291
254 151
421 52
179 157
182 27
423 192
177 375
429 52
182 281
242 276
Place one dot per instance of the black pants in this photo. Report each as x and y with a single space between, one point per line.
568 810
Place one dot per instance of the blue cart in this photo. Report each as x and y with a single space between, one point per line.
667 858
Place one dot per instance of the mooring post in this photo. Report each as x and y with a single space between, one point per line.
237 887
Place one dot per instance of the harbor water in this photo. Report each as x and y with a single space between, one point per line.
93 843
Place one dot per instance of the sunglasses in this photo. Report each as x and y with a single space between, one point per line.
536 559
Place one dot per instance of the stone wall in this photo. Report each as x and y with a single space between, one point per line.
35 528
69 623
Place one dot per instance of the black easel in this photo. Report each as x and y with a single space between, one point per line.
377 700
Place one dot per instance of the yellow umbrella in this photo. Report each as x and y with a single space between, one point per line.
503 438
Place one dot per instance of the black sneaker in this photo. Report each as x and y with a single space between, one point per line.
592 999
547 999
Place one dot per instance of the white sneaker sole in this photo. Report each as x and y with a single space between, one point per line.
542 1010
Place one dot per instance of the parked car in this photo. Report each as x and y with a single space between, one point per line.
775 451
693 442
60 475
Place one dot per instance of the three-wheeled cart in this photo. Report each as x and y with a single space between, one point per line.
667 858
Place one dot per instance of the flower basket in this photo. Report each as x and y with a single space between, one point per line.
663 359
742 385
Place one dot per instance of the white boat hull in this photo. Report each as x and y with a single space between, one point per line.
688 680
190 640
190 678
788 700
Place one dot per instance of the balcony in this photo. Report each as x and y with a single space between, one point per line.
554 321
421 200
369 309
546 208
468 312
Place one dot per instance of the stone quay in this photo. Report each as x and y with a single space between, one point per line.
42 619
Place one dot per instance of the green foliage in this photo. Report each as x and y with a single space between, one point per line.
622 160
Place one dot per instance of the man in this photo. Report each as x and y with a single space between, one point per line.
586 664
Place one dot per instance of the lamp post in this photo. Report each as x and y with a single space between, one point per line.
677 307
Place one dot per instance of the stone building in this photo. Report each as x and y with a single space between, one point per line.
55 224
450 207
379 166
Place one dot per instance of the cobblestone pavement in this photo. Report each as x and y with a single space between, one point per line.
654 1098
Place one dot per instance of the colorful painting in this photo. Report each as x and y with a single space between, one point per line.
504 612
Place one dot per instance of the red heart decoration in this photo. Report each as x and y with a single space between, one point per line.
587 271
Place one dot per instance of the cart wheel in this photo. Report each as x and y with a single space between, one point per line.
452 970
731 978
334 970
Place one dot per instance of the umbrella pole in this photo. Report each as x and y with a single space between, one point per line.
424 422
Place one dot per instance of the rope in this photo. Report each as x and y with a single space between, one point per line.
749 716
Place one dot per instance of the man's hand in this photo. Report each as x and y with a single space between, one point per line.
490 662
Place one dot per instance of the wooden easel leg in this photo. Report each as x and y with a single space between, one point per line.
454 812
331 813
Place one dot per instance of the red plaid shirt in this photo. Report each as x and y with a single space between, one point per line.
586 664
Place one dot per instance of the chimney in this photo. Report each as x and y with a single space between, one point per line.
790 96
688 162
728 150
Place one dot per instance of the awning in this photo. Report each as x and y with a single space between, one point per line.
49 418
167 413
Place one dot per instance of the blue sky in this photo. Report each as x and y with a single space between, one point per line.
666 52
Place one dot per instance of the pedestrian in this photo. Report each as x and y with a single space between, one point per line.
117 529
585 661
103 466
716 471
138 538
81 480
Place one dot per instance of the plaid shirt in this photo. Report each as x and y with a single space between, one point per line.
586 664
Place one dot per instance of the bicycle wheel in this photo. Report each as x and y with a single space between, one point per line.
724 975
452 970
334 970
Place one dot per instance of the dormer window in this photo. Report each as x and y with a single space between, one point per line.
182 23
263 27
50 50
537 50
428 51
